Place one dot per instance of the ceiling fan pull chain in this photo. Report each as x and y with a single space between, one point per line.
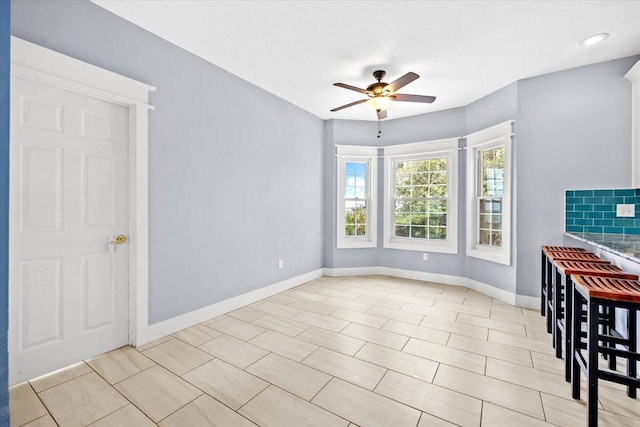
379 131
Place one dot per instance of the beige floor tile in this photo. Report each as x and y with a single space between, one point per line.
127 416
304 295
528 343
515 397
570 412
491 324
82 400
214 320
402 316
441 402
24 404
358 317
363 407
177 356
45 421
455 327
380 301
284 345
426 334
497 416
548 363
460 308
119 364
325 322
232 350
410 299
281 324
237 328
315 307
429 311
617 401
277 408
387 338
50 380
157 392
277 309
451 356
247 314
443 298
495 350
153 343
205 411
332 340
359 372
519 319
537 333
367 291
228 384
428 420
197 335
294 377
399 361
349 305
528 377
339 293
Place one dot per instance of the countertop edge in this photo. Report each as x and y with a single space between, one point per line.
603 247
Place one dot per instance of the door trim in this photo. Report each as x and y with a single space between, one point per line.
36 63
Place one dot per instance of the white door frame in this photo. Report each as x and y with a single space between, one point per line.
32 62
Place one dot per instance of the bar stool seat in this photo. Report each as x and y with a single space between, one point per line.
562 321
553 258
546 271
612 293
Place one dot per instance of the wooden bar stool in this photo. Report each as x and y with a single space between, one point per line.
594 292
553 257
563 318
545 276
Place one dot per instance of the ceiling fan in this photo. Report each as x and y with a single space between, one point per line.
381 94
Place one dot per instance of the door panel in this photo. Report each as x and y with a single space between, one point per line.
68 291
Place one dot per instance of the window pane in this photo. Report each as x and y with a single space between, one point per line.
419 232
492 172
438 233
355 179
355 218
402 231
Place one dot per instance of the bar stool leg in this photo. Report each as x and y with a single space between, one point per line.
611 326
575 344
550 286
592 361
632 365
557 314
568 327
543 285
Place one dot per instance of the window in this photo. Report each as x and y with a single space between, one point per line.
421 196
356 189
488 194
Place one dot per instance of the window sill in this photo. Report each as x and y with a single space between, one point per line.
495 256
444 247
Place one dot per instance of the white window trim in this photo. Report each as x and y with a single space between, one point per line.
447 147
492 137
357 153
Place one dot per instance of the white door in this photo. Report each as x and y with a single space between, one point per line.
68 290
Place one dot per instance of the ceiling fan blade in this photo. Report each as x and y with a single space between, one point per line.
346 86
382 114
401 82
349 105
413 98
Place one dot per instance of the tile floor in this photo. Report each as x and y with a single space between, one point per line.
351 351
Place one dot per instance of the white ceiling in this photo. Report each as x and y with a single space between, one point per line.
462 50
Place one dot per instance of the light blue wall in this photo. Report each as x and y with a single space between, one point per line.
235 173
5 33
574 132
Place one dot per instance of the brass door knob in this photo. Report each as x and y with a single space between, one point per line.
120 239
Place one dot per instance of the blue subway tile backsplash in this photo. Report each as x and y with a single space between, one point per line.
594 211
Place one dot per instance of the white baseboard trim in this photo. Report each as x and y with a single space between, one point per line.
175 324
483 288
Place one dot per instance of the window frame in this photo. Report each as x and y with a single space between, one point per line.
369 155
417 151
487 139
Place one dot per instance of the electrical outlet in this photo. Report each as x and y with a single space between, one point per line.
626 211
425 256
280 264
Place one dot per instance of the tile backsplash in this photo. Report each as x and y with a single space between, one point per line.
594 211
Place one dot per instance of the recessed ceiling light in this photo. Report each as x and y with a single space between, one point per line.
594 39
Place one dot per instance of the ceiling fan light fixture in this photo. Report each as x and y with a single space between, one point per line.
379 102
593 39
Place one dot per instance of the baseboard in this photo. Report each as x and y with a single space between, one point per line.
175 324
483 288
